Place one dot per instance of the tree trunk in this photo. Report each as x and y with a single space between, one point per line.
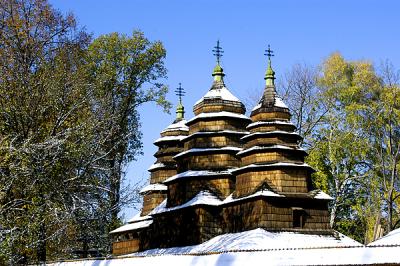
41 249
115 183
390 212
333 214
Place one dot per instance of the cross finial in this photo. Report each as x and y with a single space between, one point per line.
269 52
180 92
217 51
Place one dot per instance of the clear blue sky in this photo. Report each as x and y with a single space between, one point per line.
298 31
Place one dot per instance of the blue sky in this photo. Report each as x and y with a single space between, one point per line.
298 31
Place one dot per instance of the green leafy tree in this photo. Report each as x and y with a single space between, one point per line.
357 148
125 73
41 108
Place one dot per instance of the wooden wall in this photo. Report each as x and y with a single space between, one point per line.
125 247
280 180
151 200
183 191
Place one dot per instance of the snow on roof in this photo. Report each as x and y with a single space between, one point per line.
264 192
169 138
222 114
205 150
270 133
207 198
132 226
156 166
258 239
278 103
392 238
271 165
181 125
322 195
353 255
138 218
153 187
200 133
202 198
191 173
219 93
262 148
267 123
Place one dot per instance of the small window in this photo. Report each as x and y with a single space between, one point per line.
298 218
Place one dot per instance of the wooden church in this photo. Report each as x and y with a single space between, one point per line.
224 172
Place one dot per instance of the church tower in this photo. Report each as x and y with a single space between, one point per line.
273 167
169 145
129 237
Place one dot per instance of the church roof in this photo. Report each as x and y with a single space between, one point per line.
202 198
270 97
193 173
222 114
268 133
277 102
177 126
209 199
169 138
266 148
132 226
208 150
260 239
391 239
153 187
267 123
219 92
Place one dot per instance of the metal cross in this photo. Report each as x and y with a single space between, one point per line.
218 52
180 92
269 52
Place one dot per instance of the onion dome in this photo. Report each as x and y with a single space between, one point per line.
270 101
218 98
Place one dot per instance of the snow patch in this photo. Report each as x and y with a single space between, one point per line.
392 238
262 148
271 165
322 195
205 150
268 123
207 198
354 255
265 193
138 218
153 187
278 103
181 125
259 239
169 138
132 226
222 114
270 133
202 133
202 198
219 93
156 166
191 173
